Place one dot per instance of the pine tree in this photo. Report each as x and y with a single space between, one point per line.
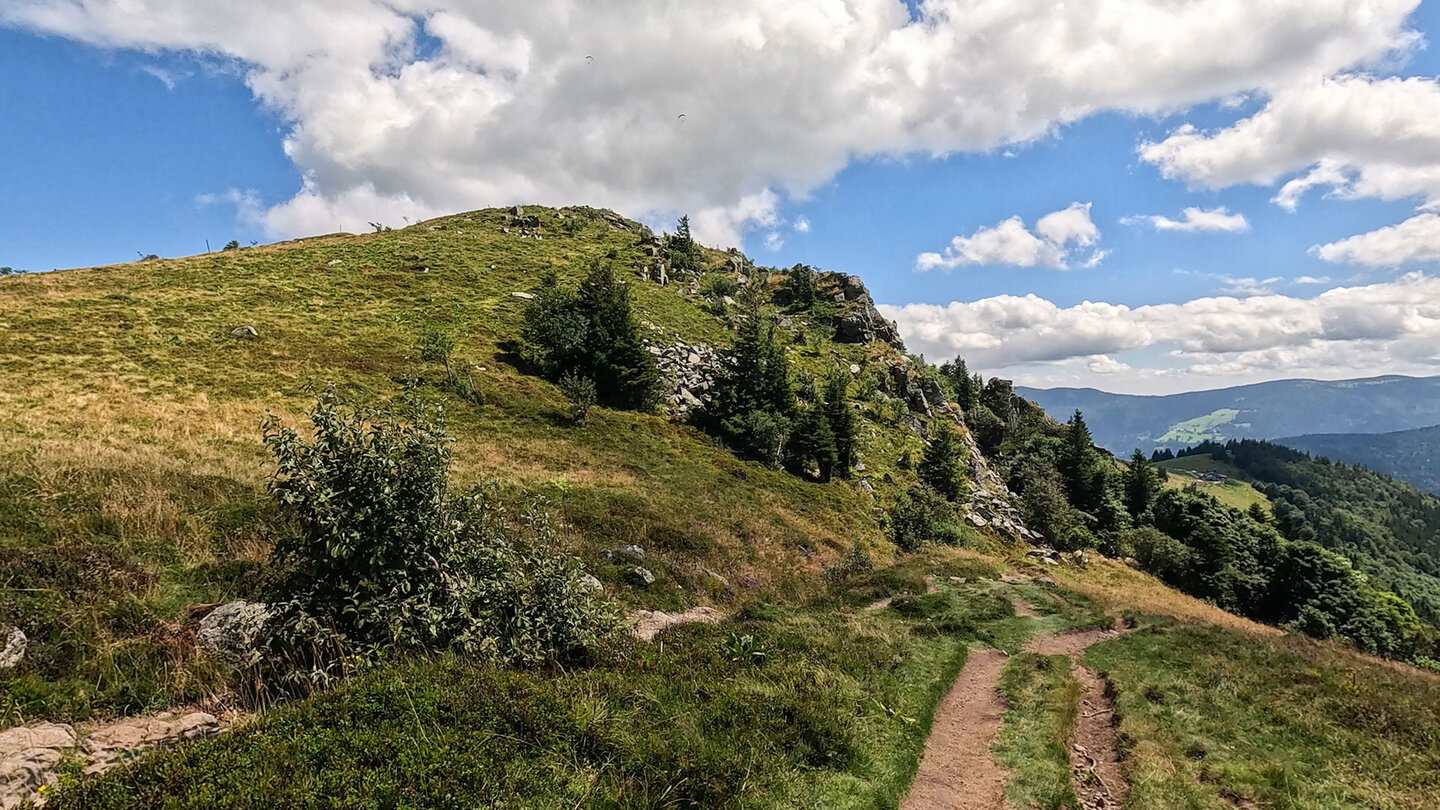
940 466
842 421
624 372
1077 463
682 250
1142 485
752 403
967 388
811 442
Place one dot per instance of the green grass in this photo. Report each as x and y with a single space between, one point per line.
129 432
1235 491
1214 718
1194 431
1043 699
833 715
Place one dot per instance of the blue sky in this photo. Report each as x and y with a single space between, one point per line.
120 140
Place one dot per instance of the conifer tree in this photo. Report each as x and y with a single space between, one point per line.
682 250
967 388
1142 485
753 403
591 332
811 442
940 466
1077 463
842 421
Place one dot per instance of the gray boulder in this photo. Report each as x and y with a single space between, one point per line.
229 633
244 333
14 651
642 576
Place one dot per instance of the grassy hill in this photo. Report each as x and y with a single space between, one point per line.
1412 456
132 494
1234 491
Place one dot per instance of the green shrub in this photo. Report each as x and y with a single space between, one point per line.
580 390
382 558
922 515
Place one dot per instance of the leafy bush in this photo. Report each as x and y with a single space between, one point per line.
437 346
383 558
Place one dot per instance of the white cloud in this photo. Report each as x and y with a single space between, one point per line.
1415 240
1197 219
776 97
1346 331
1104 364
801 225
774 241
1072 224
1010 242
1354 136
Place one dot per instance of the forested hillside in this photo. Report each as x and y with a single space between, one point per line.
1269 410
1389 529
1412 456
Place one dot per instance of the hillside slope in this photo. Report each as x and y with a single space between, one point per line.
1412 456
1123 422
133 498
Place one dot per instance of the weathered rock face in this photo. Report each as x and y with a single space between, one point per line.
863 323
229 632
690 370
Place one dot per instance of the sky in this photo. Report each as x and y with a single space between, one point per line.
1141 196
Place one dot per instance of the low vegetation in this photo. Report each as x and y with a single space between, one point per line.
1212 719
1042 700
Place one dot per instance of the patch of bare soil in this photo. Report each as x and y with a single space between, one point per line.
957 771
1023 608
1094 760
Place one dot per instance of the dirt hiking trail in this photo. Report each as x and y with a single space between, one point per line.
958 770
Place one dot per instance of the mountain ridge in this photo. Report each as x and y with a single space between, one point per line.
1265 410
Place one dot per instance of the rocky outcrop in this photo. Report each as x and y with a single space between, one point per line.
690 371
861 322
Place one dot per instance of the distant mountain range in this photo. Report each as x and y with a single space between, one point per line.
1270 410
1412 456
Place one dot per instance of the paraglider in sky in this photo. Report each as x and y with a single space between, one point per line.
589 60
680 117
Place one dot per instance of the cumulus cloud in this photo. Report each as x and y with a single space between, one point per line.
1415 240
1196 219
1353 136
1051 244
415 107
1346 330
801 225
